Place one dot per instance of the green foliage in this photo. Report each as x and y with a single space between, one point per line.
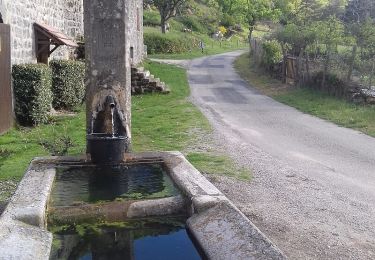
212 46
151 18
67 83
167 10
272 53
169 43
333 87
192 22
330 31
227 20
32 91
208 14
296 36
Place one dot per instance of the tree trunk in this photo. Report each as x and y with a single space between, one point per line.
283 68
249 38
372 72
299 67
251 30
351 63
163 24
325 69
307 66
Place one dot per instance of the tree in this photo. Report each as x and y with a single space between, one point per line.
167 10
296 38
357 14
256 10
330 32
249 11
358 11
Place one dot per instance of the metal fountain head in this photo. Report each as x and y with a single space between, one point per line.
110 101
108 139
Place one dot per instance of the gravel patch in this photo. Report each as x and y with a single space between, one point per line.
299 214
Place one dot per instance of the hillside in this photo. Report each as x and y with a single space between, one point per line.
197 24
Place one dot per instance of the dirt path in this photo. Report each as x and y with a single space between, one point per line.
313 191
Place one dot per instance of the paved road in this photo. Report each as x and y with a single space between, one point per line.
313 191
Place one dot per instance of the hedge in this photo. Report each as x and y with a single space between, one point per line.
32 91
169 43
67 83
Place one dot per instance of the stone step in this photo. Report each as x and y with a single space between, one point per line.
146 74
143 81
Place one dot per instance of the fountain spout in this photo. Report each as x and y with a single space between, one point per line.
110 101
108 140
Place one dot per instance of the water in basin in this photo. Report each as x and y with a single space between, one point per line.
140 240
93 183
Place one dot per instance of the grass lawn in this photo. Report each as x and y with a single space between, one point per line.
341 112
159 122
20 145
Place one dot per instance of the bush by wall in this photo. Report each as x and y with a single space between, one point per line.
32 91
169 43
67 83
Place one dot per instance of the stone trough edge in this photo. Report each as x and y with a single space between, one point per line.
23 233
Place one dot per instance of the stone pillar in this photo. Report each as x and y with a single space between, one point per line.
107 67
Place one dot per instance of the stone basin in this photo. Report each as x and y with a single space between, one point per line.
219 228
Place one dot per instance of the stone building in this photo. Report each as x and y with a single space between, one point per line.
135 30
65 16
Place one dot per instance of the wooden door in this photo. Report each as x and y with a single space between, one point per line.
6 111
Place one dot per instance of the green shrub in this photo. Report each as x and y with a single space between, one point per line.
333 86
227 20
169 43
175 25
192 22
67 83
32 91
151 18
272 53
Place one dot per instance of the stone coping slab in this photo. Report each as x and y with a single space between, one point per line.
219 227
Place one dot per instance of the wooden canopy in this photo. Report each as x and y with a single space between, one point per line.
45 36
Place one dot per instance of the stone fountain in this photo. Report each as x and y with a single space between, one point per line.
108 91
105 179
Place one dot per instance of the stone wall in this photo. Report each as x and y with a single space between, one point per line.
135 29
64 15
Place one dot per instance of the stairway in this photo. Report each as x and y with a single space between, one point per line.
144 82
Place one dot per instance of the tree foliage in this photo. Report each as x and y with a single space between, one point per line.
250 12
167 10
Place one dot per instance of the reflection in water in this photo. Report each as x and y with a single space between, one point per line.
76 184
164 242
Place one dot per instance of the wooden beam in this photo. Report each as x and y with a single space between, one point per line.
54 48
